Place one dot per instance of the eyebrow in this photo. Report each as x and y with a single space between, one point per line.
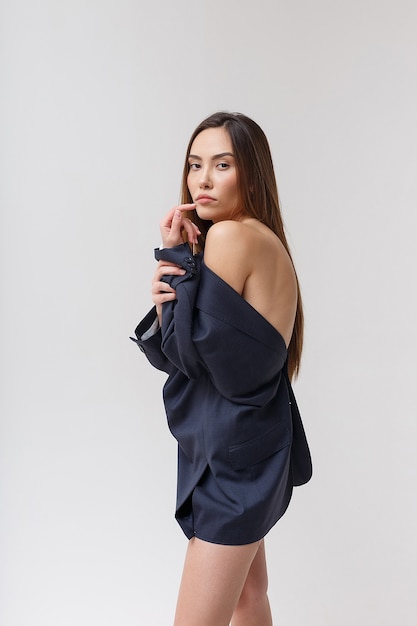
213 158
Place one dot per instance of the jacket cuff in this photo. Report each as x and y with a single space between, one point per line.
147 328
179 255
152 330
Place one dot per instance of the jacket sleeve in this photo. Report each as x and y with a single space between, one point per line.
171 347
177 315
151 345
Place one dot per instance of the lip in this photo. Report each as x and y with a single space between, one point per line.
204 198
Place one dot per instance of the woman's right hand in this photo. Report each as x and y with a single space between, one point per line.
161 291
173 225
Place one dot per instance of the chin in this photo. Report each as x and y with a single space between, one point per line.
203 213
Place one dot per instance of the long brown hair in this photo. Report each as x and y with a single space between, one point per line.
258 196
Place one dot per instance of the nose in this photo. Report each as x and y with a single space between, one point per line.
205 181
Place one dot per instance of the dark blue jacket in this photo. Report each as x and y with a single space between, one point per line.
229 404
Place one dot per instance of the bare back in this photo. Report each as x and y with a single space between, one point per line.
254 262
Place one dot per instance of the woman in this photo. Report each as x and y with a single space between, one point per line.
227 326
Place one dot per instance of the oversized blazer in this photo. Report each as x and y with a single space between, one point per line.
229 404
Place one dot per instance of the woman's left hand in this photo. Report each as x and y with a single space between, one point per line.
173 225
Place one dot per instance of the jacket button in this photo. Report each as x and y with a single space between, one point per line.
190 263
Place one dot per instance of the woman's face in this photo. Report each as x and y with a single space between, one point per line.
212 176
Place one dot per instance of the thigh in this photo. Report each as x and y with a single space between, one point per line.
212 581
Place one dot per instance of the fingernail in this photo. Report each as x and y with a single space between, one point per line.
177 213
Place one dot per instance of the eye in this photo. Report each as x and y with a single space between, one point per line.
194 166
223 166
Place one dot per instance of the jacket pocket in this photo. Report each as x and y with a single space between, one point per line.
260 448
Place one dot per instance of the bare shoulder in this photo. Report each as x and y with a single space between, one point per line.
223 231
253 261
227 252
237 242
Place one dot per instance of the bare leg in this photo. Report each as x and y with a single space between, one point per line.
253 606
212 582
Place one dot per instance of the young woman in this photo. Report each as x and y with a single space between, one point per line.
227 327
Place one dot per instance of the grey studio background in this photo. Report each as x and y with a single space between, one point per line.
98 99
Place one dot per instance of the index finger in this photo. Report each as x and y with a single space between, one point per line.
182 207
186 207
